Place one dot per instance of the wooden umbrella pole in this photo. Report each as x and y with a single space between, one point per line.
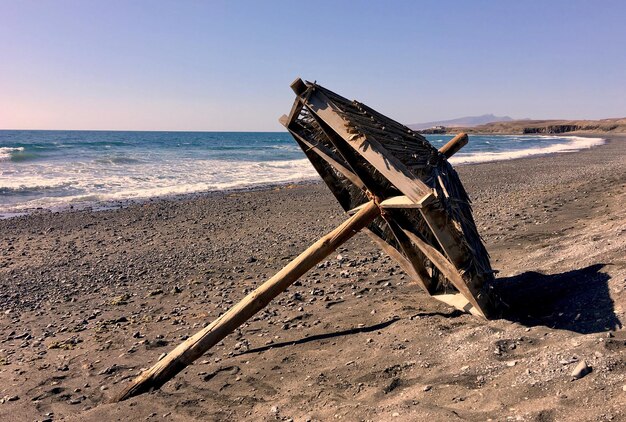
454 144
194 347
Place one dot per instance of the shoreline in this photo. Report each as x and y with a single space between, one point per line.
122 203
128 202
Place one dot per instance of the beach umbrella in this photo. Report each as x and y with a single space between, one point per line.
396 186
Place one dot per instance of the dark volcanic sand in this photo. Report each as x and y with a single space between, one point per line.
88 299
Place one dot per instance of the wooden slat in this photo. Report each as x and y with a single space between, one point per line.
438 222
370 149
399 202
350 157
336 185
294 113
331 159
405 202
298 86
284 120
395 202
458 301
449 271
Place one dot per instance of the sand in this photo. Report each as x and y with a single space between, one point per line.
90 298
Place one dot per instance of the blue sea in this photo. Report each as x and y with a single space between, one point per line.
58 169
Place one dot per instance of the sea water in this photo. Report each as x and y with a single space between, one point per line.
58 169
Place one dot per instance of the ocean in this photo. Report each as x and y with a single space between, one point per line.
59 169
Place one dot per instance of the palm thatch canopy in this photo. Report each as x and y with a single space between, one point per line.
426 224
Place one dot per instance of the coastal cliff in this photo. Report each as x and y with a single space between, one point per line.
617 125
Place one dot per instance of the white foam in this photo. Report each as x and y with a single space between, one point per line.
61 184
31 182
5 152
576 143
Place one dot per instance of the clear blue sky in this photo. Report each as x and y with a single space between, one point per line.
227 65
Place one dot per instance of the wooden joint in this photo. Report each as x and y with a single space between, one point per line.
396 202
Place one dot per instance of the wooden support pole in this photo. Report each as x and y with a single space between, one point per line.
454 144
196 346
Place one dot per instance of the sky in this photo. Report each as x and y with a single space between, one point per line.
227 65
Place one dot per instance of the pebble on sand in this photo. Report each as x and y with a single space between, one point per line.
581 370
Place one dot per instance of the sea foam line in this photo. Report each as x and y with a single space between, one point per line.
70 185
577 143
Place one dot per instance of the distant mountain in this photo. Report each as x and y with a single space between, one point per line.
468 121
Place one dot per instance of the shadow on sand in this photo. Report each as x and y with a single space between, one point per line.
576 300
366 329
325 336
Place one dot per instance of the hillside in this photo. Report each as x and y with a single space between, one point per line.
616 125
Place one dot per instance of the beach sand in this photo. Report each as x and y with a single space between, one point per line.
88 299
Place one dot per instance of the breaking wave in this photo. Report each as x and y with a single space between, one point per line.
71 185
7 152
575 143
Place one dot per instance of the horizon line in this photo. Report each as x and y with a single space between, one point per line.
143 130
286 131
